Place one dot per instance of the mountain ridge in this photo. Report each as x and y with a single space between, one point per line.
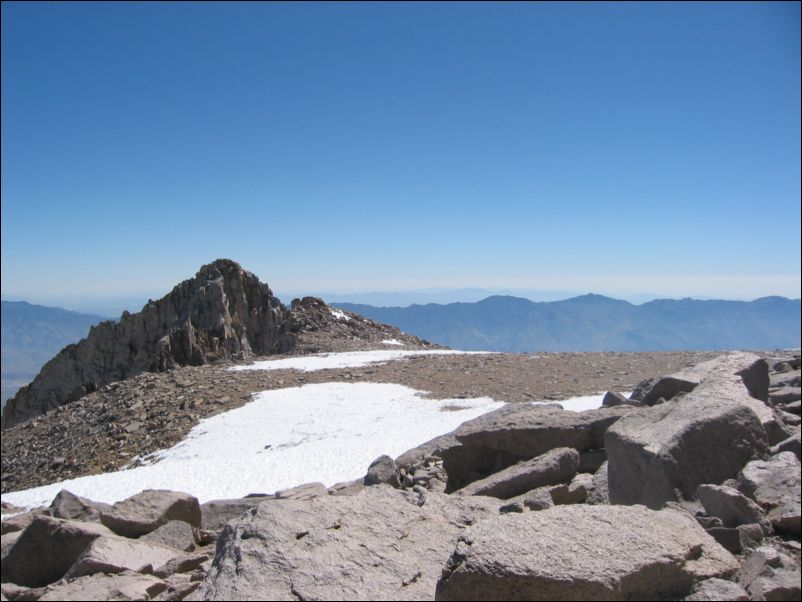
593 322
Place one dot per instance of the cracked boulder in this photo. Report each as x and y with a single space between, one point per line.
583 553
381 544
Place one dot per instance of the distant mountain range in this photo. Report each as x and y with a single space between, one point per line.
598 323
31 335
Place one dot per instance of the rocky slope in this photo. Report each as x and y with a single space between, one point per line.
224 312
106 429
687 490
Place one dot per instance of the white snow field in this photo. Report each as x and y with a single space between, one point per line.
321 432
326 432
350 359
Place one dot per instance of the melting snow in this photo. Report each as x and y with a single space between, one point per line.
340 315
326 432
321 432
351 359
392 342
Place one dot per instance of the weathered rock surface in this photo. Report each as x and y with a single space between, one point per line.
72 507
613 398
793 444
47 549
677 446
307 491
717 589
107 587
583 553
150 509
377 545
555 466
176 534
116 554
224 311
599 492
767 574
518 432
775 485
383 471
730 506
216 513
753 370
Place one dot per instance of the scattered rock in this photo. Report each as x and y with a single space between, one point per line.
555 466
575 553
613 398
730 506
737 539
785 395
793 444
307 491
383 471
767 574
149 510
775 485
717 589
350 487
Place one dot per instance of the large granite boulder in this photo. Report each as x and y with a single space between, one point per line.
522 431
706 436
47 548
583 553
381 544
555 466
150 509
753 371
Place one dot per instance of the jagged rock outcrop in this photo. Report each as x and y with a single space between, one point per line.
223 312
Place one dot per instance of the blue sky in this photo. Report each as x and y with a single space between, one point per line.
615 148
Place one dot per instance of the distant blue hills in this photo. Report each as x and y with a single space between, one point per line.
598 323
31 335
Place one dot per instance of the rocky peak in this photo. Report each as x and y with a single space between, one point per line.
223 313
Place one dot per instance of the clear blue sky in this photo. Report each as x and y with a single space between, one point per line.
357 146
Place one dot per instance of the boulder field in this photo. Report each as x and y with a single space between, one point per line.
687 490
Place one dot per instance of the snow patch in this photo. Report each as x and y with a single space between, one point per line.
349 359
340 315
392 342
319 432
581 404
